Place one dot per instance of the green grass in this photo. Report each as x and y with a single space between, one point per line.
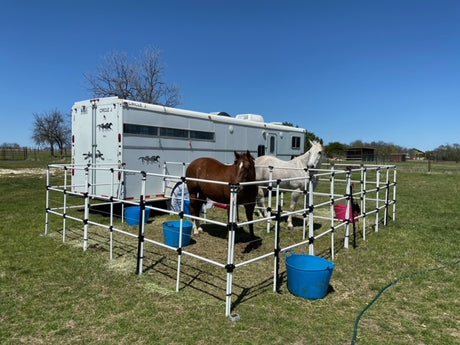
54 293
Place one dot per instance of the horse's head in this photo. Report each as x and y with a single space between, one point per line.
245 166
315 154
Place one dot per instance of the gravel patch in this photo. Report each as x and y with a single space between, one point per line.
28 171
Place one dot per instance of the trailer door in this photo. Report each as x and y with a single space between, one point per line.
96 135
106 148
81 144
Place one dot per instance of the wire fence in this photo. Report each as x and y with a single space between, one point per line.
27 153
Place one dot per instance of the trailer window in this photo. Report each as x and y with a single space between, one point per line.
143 130
173 132
296 143
202 135
272 145
129 128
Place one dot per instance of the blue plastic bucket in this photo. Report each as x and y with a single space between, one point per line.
187 207
133 213
308 276
171 231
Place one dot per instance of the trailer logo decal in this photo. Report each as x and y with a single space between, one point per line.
105 126
150 159
98 154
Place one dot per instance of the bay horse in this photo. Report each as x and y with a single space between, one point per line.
284 170
243 170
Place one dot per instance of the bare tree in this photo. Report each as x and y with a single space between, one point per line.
140 80
51 128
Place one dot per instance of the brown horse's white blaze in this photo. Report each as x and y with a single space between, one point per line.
243 170
284 170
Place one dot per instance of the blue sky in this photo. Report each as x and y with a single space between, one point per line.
345 70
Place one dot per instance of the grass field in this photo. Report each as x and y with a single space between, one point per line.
400 286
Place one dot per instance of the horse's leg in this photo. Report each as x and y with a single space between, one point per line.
254 242
195 209
249 208
197 229
260 201
294 197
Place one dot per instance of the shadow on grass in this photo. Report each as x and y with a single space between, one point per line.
197 275
241 236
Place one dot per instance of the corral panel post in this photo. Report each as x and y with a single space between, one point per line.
64 201
276 263
140 246
269 209
112 195
361 186
305 202
348 209
164 179
181 229
311 224
47 202
394 193
387 195
86 213
377 195
331 191
232 227
364 197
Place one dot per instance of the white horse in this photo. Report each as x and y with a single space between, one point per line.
288 169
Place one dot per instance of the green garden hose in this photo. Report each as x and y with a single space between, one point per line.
355 334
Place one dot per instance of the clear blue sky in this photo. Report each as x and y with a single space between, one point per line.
345 70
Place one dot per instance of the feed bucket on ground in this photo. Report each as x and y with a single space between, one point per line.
308 276
171 231
133 213
340 213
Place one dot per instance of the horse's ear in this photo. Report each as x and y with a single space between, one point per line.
237 156
248 153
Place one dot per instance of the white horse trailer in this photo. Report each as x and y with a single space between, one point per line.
116 133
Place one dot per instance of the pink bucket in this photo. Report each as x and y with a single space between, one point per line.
340 213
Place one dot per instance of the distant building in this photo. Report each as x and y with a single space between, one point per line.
399 157
417 154
364 154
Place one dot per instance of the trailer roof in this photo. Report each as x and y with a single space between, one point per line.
176 111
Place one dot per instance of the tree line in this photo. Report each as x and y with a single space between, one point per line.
446 152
